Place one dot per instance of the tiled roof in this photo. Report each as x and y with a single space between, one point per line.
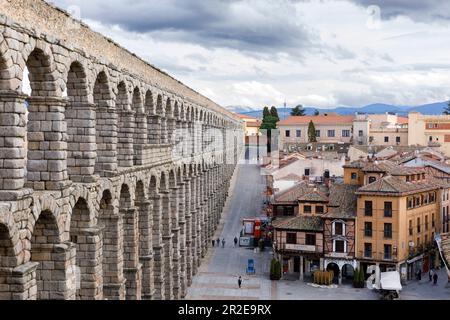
321 119
402 120
243 116
295 192
314 196
395 185
342 201
359 164
401 170
379 166
305 223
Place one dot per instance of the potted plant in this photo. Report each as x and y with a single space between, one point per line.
358 278
275 269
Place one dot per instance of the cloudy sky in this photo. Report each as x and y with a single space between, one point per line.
321 53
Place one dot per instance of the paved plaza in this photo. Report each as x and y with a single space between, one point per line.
220 269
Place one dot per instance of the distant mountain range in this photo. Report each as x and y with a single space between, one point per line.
430 109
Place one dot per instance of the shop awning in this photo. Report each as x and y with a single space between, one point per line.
415 259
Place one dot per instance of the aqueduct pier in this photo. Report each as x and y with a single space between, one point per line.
113 174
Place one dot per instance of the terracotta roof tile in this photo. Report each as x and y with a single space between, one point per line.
321 119
306 223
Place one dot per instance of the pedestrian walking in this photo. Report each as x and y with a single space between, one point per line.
419 275
239 282
212 242
223 243
235 241
430 275
435 278
218 242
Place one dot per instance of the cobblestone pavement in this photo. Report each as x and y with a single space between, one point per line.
217 277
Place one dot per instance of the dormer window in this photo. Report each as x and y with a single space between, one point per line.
407 178
372 179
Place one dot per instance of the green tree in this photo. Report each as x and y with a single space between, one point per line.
447 109
316 112
298 111
266 112
274 113
311 132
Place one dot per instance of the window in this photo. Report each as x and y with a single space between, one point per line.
426 222
432 197
288 133
331 133
291 238
387 251
388 209
319 209
368 229
410 203
431 139
354 176
339 246
397 139
418 224
345 133
386 139
338 229
417 201
410 228
432 220
280 211
307 209
299 133
367 250
318 133
360 133
310 239
372 179
368 208
388 230
307 172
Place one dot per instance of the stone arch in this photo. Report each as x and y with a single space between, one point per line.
163 182
332 266
347 272
125 149
153 186
144 249
130 242
149 104
8 258
168 108
45 169
7 80
137 103
176 111
80 119
41 72
105 125
44 250
112 248
159 105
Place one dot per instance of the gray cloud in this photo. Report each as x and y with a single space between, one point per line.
245 25
418 10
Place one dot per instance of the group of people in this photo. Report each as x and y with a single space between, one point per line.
217 242
432 275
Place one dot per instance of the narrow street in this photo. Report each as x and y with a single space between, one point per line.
220 269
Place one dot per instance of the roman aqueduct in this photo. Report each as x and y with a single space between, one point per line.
113 175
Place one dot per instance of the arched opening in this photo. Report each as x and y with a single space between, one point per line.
46 144
105 127
347 273
145 240
130 244
112 263
153 123
8 261
7 256
140 131
80 118
88 269
335 268
45 236
125 153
